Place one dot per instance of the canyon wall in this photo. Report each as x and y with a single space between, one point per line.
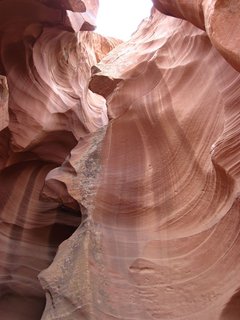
45 109
130 151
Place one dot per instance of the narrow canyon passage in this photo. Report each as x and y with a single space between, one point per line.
119 163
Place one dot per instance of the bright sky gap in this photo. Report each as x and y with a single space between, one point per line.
120 18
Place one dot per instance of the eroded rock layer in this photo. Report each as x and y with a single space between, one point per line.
45 109
138 150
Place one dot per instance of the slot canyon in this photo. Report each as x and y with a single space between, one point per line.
119 163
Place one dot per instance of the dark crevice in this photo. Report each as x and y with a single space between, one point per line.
68 220
232 308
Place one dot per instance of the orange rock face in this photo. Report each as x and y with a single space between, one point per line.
135 153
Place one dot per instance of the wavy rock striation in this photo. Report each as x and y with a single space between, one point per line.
136 150
45 109
220 19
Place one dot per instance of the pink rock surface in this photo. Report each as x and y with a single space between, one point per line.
220 19
138 148
30 231
45 109
161 236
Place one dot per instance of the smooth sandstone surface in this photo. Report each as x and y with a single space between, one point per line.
220 19
130 151
45 109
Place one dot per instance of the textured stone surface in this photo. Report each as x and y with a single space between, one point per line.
139 149
220 19
45 109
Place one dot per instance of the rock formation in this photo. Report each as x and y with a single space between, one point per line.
131 155
45 109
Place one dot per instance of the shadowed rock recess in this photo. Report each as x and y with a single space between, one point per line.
119 163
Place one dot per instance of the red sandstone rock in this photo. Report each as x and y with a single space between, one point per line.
161 236
152 172
219 18
31 229
45 108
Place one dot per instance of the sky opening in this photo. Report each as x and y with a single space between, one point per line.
120 18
